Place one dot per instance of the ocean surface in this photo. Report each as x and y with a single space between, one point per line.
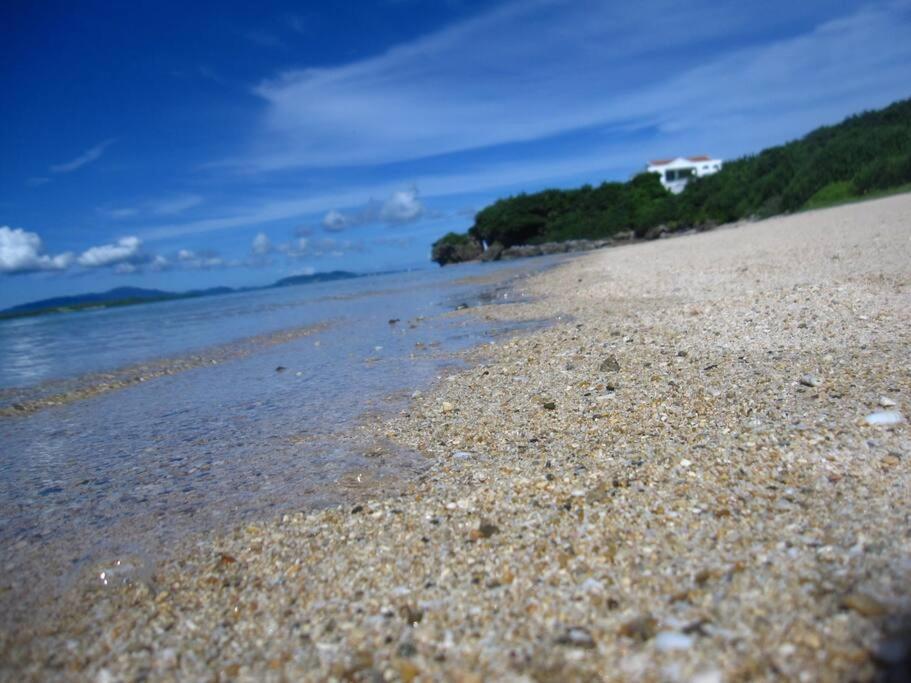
104 484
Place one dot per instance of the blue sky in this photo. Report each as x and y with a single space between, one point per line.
189 145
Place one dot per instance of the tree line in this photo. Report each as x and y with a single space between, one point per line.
865 154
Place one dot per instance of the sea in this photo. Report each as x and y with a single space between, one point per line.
187 417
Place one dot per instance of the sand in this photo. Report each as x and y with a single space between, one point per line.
677 481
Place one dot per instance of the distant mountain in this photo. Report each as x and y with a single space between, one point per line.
83 300
315 277
128 296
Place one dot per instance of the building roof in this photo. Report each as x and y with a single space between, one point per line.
665 162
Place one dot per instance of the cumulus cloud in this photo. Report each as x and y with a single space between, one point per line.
203 260
125 250
83 159
262 245
334 221
402 206
22 252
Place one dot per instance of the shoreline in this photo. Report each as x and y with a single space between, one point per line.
676 483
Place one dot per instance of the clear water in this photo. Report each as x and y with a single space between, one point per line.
126 472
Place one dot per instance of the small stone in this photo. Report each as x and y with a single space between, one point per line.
407 670
610 364
886 417
486 529
810 381
549 405
461 455
393 321
280 368
886 402
640 628
447 407
667 641
577 636
682 354
863 604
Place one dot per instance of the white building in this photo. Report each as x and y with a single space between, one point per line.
676 172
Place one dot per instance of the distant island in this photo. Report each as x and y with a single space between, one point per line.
866 155
129 296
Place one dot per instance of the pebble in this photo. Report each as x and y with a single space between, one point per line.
672 640
886 402
886 417
810 381
610 364
863 604
577 636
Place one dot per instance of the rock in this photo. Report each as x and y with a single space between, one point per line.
887 417
610 364
461 455
492 253
863 604
393 321
641 628
280 368
462 306
810 380
667 641
577 636
656 232
549 405
453 248
681 354
447 407
486 529
886 402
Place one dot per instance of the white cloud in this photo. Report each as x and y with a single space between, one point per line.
204 260
334 221
538 68
86 157
174 205
21 252
118 213
402 207
651 80
262 245
125 250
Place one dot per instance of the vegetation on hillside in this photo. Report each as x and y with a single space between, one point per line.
864 155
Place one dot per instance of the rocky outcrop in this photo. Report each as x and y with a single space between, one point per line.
455 249
547 248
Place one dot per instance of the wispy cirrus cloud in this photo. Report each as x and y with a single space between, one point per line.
87 157
659 78
538 68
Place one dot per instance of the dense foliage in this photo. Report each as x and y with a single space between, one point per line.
864 154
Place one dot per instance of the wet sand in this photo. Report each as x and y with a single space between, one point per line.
25 401
678 481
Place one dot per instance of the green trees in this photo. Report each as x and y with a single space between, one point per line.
866 153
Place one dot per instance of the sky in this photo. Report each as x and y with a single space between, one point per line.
188 145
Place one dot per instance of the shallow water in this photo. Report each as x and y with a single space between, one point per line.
125 473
